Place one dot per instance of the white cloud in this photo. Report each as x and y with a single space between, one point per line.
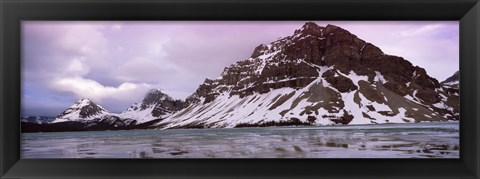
87 88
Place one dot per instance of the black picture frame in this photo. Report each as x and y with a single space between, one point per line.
12 12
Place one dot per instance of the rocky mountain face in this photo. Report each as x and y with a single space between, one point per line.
452 80
155 105
451 86
317 76
83 110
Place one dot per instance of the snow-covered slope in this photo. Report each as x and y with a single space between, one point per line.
318 76
155 105
82 111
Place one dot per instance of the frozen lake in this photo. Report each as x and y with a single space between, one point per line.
419 140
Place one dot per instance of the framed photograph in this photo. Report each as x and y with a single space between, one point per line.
309 89
320 92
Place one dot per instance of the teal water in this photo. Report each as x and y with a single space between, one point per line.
418 140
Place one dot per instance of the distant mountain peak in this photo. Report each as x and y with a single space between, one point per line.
154 91
155 105
154 96
454 79
83 109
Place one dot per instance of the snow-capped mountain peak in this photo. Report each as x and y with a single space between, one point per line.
82 110
154 96
155 105
82 103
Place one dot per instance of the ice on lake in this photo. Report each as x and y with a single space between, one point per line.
418 140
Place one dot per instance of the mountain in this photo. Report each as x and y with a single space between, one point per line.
82 111
451 86
155 105
317 76
85 115
452 80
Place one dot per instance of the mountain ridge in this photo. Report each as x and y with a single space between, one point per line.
317 76
317 61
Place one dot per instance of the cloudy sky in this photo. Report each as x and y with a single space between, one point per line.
115 63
